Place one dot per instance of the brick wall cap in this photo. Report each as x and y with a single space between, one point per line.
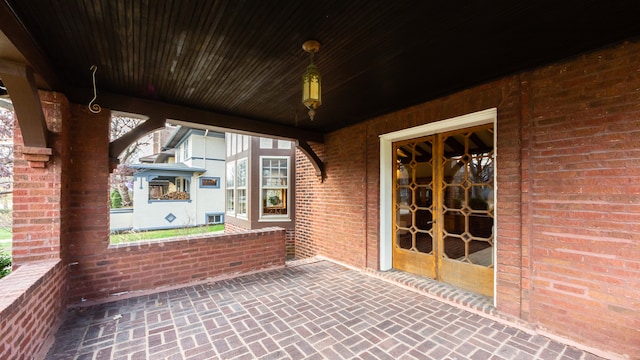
34 150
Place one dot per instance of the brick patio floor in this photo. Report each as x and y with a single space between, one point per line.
314 310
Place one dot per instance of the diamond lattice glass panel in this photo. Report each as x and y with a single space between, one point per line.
413 195
404 239
454 222
424 197
404 196
454 247
454 197
403 218
481 198
479 253
468 186
424 243
481 226
423 219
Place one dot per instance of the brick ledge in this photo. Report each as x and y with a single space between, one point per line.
36 156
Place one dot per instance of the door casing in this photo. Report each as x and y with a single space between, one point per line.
386 173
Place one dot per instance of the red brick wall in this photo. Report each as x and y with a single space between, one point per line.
178 261
289 240
38 200
567 177
56 109
584 206
35 294
33 299
290 244
88 187
340 218
309 206
372 260
102 270
230 228
344 200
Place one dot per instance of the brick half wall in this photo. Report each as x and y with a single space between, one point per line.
31 308
289 242
157 265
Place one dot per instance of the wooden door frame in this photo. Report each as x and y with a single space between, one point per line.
483 117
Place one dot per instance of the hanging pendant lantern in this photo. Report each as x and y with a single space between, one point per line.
311 81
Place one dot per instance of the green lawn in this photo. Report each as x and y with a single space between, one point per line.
160 234
5 234
5 241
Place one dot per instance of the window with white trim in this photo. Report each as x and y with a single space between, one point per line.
241 188
227 141
266 143
230 183
215 218
274 187
185 150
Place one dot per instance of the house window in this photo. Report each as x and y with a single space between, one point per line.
266 143
227 141
241 187
245 142
217 218
284 144
234 139
274 187
210 182
169 188
231 175
185 150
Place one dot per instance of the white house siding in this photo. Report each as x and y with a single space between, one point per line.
121 219
153 215
209 153
204 160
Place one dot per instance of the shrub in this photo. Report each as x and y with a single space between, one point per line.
5 264
116 199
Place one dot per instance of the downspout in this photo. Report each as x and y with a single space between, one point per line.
204 166
204 156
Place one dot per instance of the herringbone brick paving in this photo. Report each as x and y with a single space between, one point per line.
315 310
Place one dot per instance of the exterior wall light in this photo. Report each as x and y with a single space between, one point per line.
311 81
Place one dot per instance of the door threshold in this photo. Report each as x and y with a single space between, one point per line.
440 291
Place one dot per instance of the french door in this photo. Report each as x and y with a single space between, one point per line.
443 207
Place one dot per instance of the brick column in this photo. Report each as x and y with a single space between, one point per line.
37 184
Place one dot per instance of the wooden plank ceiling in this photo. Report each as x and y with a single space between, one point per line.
243 59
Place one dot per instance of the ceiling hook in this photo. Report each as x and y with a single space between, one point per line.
94 108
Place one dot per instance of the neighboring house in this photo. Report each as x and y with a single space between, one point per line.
260 179
181 186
